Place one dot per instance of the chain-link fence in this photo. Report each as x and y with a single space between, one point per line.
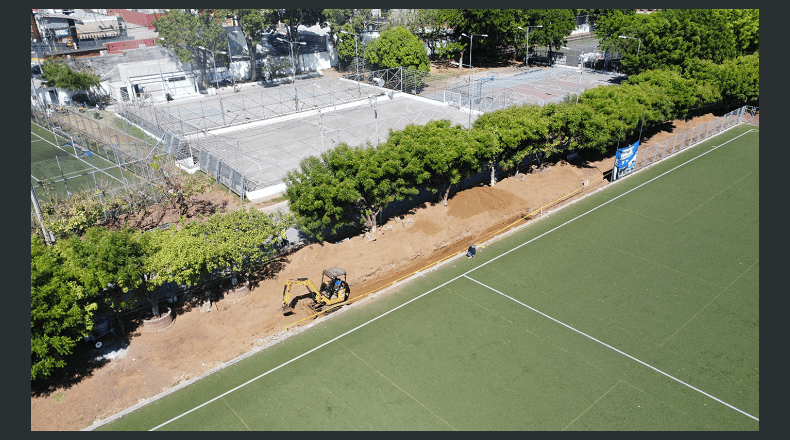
483 92
649 154
245 104
265 166
103 156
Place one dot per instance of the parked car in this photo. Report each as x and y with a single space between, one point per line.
35 71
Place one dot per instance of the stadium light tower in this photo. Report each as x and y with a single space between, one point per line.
526 59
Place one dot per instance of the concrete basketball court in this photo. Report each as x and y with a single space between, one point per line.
266 149
264 131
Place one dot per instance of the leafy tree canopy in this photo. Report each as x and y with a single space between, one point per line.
425 24
107 261
186 33
557 24
745 24
520 131
61 310
397 47
320 199
58 74
348 45
439 154
668 38
350 20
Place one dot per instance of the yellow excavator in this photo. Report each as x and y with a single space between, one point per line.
334 290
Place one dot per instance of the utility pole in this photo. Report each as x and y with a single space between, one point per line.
48 238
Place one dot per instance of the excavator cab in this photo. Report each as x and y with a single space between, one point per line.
333 283
334 289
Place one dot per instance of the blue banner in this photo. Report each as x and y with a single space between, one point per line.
624 161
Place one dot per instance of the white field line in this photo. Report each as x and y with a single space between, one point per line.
435 288
615 349
302 355
77 173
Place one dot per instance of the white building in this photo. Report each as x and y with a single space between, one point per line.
152 78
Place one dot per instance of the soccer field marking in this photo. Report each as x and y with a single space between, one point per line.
592 405
92 168
709 302
398 387
607 245
711 198
236 414
641 215
439 287
303 354
613 348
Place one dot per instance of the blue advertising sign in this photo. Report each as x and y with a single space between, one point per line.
624 161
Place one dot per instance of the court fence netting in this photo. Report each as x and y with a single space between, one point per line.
128 154
650 153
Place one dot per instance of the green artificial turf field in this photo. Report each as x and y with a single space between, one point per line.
51 160
636 308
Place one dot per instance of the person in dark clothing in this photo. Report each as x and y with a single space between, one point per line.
470 253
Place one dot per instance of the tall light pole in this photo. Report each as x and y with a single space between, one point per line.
356 56
526 58
581 69
471 39
293 65
374 99
633 38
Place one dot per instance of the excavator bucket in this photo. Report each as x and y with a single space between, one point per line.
287 306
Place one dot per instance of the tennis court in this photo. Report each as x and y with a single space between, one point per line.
635 308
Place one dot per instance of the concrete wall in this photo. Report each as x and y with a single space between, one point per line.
315 62
45 94
240 70
119 46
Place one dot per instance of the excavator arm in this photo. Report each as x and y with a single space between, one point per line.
287 306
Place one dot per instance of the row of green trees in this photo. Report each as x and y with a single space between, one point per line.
679 39
672 38
351 186
441 30
403 40
190 33
111 270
